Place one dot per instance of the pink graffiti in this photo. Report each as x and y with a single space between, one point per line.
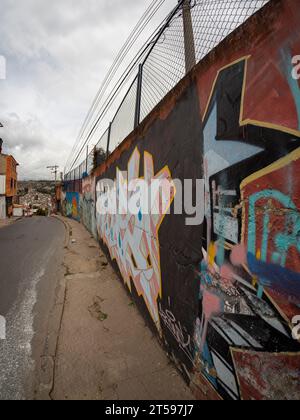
212 306
133 240
238 255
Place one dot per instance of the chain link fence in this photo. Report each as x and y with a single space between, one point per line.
101 149
214 20
165 64
164 67
124 120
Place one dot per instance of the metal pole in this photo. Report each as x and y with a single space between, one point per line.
108 140
189 40
87 156
54 168
138 97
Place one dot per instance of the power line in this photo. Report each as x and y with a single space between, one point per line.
144 52
146 18
123 52
121 55
54 170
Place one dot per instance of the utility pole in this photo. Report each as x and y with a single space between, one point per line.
54 170
138 97
87 159
1 141
189 40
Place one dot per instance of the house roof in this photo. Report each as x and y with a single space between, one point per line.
11 156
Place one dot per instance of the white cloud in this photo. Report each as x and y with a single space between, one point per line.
57 54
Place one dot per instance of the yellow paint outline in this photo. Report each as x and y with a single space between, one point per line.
281 163
288 321
169 176
151 157
243 122
276 166
244 58
130 159
163 170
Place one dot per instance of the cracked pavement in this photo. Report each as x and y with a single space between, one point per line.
105 351
30 261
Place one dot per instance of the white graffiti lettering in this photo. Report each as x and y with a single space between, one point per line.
130 233
296 329
296 67
183 338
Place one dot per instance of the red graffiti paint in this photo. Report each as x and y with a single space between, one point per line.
283 178
267 376
268 98
238 255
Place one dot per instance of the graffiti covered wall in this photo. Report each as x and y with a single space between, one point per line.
87 205
146 247
133 240
250 272
71 205
221 295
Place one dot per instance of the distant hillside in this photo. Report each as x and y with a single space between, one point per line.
44 187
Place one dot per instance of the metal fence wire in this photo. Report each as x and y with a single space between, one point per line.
123 122
165 63
214 20
164 67
90 162
101 149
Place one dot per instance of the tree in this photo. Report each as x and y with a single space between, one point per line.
99 157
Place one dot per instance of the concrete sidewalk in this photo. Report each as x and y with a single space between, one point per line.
105 351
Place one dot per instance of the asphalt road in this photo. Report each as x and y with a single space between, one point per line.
31 256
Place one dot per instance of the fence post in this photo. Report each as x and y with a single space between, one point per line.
138 97
87 157
189 40
108 140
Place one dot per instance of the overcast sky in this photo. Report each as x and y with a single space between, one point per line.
57 53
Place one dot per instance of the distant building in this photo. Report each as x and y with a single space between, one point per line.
8 183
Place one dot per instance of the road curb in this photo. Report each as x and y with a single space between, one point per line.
11 222
67 227
46 375
46 372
